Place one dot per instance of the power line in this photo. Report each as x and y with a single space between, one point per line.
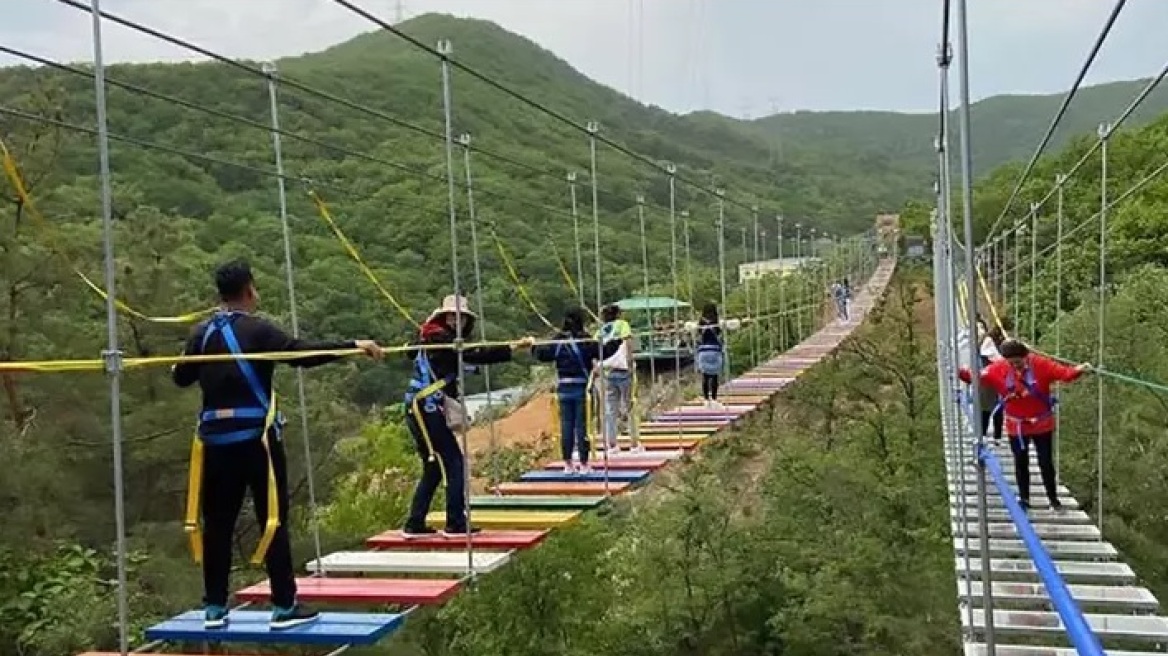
1058 117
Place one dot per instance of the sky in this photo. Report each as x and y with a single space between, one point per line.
744 58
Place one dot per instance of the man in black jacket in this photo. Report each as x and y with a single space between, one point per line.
237 406
435 379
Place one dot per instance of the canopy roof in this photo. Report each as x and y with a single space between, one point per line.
646 303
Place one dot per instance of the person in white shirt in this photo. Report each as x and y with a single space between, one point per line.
618 380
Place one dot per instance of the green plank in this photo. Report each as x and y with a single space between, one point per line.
546 502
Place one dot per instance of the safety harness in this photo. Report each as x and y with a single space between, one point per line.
1031 387
425 394
265 409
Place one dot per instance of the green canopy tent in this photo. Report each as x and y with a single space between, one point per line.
644 313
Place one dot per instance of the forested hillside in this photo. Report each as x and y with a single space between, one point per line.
897 148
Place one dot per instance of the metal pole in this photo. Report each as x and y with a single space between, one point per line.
472 215
593 128
799 282
113 354
290 280
689 288
576 235
1015 296
1060 183
1033 273
671 169
782 283
766 295
758 280
445 50
1104 138
721 194
967 210
645 271
753 352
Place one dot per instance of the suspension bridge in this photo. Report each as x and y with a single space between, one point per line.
1037 583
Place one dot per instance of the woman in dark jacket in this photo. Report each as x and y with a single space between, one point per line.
434 383
575 355
710 355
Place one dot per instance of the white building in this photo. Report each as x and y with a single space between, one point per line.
780 266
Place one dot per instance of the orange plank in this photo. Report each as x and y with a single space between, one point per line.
560 488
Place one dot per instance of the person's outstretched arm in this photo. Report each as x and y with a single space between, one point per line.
1053 370
270 338
186 374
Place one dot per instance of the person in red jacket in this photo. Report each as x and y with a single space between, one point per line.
1023 380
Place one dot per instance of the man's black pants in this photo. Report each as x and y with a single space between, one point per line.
229 472
1044 449
448 456
996 417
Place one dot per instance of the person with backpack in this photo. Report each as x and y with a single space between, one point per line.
575 356
241 442
710 355
1023 381
434 412
615 333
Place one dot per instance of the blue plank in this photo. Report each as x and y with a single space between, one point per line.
614 476
252 626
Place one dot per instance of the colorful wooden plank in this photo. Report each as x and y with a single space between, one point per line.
366 591
514 519
487 539
617 462
533 503
252 626
573 488
616 475
451 563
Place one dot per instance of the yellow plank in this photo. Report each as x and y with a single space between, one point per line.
509 519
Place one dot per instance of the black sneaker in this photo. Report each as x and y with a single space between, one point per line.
1056 505
214 617
287 618
460 532
1025 503
418 532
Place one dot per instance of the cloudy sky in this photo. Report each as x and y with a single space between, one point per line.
738 57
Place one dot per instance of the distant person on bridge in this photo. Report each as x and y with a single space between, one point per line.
434 412
238 409
710 356
618 378
840 294
575 356
991 412
1023 380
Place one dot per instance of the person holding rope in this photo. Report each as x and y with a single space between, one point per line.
1023 380
434 413
710 356
991 412
618 379
241 440
574 355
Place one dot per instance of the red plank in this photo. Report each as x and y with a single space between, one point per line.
362 590
617 462
580 488
484 540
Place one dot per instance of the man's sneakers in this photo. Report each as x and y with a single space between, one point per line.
287 618
214 618
417 532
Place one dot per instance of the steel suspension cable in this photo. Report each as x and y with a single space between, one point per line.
645 282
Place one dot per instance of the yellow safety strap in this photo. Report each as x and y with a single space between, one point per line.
192 522
416 409
510 267
568 278
12 172
327 217
990 301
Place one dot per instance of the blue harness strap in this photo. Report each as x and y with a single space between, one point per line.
575 348
423 383
221 323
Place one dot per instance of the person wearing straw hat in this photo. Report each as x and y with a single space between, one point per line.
240 440
434 412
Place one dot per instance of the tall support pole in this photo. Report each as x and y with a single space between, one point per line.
645 271
766 295
671 170
721 194
970 277
290 280
758 283
1016 295
576 240
753 318
1104 138
799 283
602 380
782 283
480 303
112 356
1060 183
445 50
689 285
1034 273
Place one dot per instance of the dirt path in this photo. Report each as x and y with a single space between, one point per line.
524 427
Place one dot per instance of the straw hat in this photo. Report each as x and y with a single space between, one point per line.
453 305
